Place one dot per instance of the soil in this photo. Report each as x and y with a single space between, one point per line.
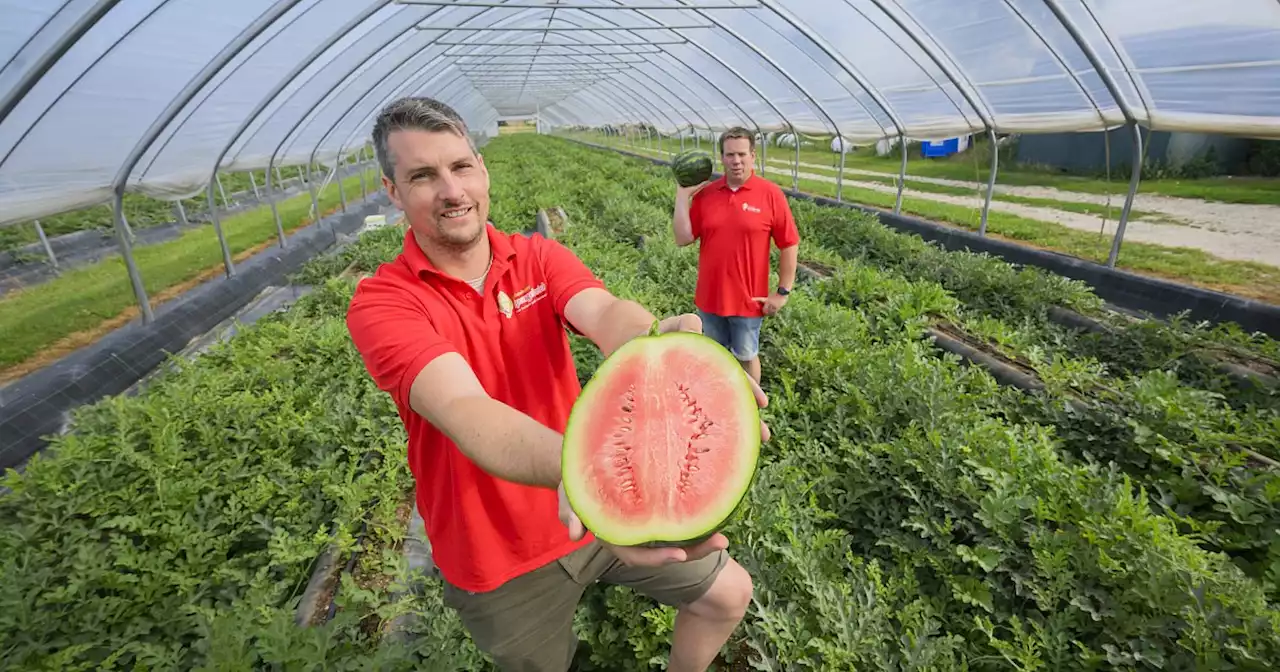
817 267
963 336
1236 231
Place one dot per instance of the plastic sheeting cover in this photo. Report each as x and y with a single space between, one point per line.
868 69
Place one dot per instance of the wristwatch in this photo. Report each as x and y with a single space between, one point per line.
783 291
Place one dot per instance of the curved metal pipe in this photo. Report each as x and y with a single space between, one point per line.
83 73
283 82
1114 89
184 96
983 111
53 54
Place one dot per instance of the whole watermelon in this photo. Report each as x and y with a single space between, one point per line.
692 167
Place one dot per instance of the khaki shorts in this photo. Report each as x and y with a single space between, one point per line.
526 624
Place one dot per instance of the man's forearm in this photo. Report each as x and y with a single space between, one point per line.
622 321
505 442
681 225
787 260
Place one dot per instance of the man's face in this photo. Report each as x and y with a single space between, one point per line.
441 185
738 157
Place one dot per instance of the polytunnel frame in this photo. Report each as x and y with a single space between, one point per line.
637 81
193 86
759 54
69 37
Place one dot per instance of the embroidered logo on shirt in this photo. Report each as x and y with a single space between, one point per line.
747 207
504 304
528 297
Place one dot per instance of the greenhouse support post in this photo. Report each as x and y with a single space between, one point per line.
254 183
991 182
1114 89
48 249
342 191
902 174
197 82
217 229
364 189
275 211
182 213
126 252
795 165
226 203
840 170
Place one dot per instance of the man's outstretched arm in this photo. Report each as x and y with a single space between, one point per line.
501 440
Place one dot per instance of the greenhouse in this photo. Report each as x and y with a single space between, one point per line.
1023 398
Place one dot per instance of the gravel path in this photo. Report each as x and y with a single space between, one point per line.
1227 230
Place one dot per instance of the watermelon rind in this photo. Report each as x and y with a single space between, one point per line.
661 533
692 167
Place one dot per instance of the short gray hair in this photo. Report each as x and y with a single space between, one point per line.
414 113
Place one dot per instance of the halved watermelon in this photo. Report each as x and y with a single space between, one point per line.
662 444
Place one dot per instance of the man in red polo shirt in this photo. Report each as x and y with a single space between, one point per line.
466 330
734 218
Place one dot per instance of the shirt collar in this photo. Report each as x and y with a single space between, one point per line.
499 245
746 186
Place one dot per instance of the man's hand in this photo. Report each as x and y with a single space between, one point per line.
639 556
773 304
689 192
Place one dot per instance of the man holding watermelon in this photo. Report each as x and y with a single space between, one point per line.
465 329
734 219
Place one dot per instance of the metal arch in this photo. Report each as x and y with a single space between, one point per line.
275 91
1059 58
54 53
247 35
373 55
211 69
572 22
359 99
647 60
715 57
417 80
668 90
412 83
313 109
795 179
1139 84
284 81
911 57
83 73
848 68
610 22
1114 90
844 64
983 111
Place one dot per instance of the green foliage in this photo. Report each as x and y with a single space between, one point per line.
901 520
908 513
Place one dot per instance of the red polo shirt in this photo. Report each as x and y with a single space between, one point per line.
734 229
483 530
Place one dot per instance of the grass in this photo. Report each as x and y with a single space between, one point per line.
140 211
1091 209
1181 264
39 318
1246 190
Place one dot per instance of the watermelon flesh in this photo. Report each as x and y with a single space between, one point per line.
662 444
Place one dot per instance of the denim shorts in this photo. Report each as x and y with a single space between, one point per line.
740 335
